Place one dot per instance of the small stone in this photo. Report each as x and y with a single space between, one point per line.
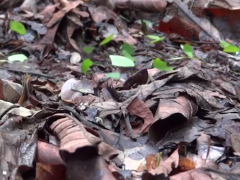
75 58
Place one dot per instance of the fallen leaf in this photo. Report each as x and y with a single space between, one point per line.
165 167
140 109
121 61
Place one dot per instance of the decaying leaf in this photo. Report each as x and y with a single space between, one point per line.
140 109
165 167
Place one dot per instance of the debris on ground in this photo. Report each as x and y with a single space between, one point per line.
119 89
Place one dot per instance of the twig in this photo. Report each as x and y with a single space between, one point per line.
28 72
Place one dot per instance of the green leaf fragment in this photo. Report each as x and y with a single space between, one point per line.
127 55
86 64
121 61
188 50
155 38
106 40
17 27
231 49
17 57
148 23
129 48
114 75
155 41
224 44
161 65
88 49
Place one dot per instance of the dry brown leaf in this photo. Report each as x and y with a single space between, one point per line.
186 164
191 175
167 166
152 161
140 109
60 14
171 113
50 172
139 78
48 154
73 136
142 5
182 105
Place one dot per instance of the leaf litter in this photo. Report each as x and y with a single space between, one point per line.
87 92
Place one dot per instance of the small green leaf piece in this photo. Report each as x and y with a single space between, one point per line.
18 27
155 38
224 44
148 23
161 65
129 48
231 49
114 75
17 57
86 64
127 55
106 40
88 49
155 41
121 61
188 50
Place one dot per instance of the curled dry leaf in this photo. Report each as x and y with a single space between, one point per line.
185 133
136 79
182 105
140 109
73 135
171 113
48 154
